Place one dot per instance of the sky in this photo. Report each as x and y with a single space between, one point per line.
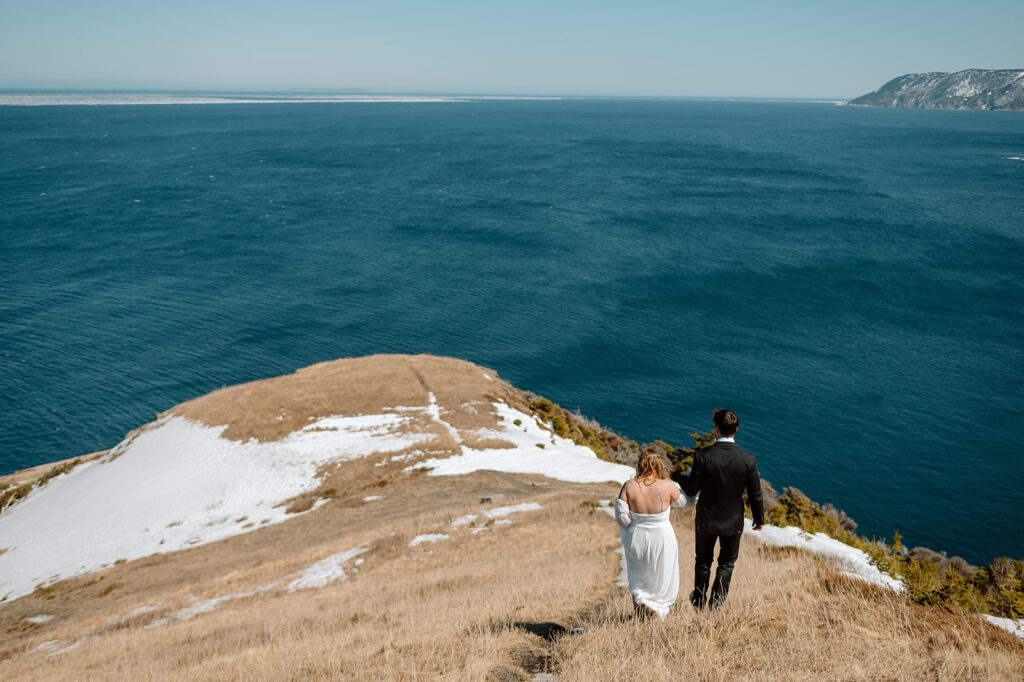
835 49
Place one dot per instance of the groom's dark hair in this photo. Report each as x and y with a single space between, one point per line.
726 421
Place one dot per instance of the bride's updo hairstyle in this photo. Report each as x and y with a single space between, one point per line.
650 465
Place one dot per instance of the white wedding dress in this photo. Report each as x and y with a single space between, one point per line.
652 554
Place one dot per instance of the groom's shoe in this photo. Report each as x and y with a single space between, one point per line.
697 599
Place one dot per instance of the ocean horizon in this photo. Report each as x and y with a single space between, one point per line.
112 97
846 279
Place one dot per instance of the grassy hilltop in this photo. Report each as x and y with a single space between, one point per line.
381 569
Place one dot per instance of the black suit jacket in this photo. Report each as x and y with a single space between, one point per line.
720 474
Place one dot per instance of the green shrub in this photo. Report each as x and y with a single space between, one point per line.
923 581
559 425
579 429
683 457
793 508
1002 583
958 590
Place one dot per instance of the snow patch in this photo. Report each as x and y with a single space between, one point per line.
1015 627
53 647
207 606
965 88
138 611
400 458
325 571
849 560
41 619
607 507
514 509
316 575
496 513
427 537
176 484
434 410
465 520
559 458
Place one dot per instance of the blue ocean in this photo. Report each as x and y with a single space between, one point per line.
850 281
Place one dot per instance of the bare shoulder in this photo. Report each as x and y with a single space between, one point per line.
668 485
624 490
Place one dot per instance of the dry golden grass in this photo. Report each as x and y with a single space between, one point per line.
270 409
478 606
538 596
790 618
408 612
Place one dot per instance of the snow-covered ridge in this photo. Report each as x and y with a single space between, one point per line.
990 89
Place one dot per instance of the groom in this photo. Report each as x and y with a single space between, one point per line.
720 474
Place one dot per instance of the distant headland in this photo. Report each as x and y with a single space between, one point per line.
985 89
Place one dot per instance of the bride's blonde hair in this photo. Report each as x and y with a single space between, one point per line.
650 465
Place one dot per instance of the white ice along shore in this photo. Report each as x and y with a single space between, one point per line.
180 484
31 99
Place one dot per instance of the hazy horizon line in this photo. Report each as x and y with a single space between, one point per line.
400 93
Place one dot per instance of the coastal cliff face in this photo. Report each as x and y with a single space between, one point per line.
971 89
414 517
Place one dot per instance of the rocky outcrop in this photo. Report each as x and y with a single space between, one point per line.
985 89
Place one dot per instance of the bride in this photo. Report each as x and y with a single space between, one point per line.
647 537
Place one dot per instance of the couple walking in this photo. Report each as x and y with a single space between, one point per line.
719 476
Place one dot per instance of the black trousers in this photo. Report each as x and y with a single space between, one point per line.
728 550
